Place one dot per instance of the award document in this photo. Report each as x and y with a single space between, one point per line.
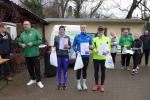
85 49
103 48
62 43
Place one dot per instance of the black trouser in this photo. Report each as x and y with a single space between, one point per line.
97 64
125 59
146 52
113 57
6 66
136 60
33 65
84 69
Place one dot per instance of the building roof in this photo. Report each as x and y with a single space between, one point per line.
20 15
92 20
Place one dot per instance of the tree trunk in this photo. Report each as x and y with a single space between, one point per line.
134 5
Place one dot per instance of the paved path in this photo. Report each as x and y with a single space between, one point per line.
119 85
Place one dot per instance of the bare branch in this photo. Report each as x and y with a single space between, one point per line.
94 9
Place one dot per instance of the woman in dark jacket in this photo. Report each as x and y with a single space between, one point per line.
62 44
138 49
5 49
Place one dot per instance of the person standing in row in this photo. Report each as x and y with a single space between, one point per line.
125 42
5 49
62 44
146 46
81 41
114 44
30 40
99 59
138 49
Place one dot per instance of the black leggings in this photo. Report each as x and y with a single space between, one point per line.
125 59
97 64
146 52
33 65
84 69
136 60
113 57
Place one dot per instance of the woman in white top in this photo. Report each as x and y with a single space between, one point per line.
114 43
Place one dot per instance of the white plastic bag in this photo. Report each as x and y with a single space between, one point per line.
109 62
79 62
53 58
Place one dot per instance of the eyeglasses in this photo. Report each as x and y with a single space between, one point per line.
25 24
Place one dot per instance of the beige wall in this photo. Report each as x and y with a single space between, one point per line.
135 28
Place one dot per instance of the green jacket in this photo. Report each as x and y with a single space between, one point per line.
96 44
30 35
126 40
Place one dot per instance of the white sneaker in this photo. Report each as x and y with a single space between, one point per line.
84 85
31 82
40 84
122 68
137 68
128 68
79 85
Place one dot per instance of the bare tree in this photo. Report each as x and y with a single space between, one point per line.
35 6
63 6
94 9
134 5
78 7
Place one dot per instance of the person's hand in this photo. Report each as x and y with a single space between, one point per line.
5 37
53 49
23 46
90 47
126 46
66 46
0 57
77 52
30 44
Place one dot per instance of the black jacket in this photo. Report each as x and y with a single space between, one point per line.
137 46
146 41
61 53
5 44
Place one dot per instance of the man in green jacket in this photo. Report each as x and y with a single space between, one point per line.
30 40
125 42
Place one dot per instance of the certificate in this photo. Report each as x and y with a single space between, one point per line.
103 48
84 47
62 43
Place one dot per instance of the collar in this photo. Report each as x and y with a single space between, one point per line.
62 36
101 36
2 33
28 30
83 33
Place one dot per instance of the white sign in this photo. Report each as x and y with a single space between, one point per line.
103 48
85 49
62 43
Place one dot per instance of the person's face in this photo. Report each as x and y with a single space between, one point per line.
83 28
61 31
101 33
125 32
146 32
114 35
136 36
26 25
2 29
